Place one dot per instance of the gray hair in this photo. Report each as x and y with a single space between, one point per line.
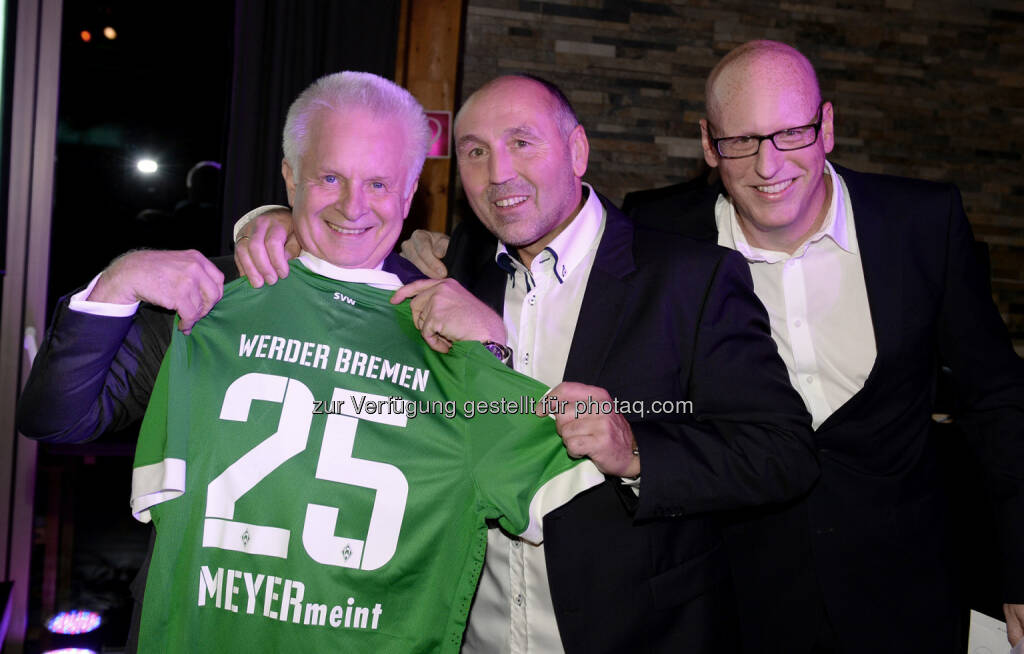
349 89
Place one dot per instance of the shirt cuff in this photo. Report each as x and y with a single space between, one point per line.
78 302
258 211
632 482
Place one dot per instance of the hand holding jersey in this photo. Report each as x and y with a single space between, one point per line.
603 436
445 312
263 247
183 281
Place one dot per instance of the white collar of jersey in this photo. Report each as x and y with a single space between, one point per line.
376 277
569 248
837 226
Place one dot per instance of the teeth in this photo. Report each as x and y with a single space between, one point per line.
511 202
775 188
342 230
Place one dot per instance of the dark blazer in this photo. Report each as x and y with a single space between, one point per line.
870 541
664 318
103 369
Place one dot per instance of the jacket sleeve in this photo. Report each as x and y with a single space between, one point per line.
749 441
93 373
988 379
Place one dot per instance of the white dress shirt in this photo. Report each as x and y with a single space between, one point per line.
817 303
512 612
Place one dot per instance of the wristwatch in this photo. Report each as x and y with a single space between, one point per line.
502 352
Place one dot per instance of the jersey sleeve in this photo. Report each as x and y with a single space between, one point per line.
159 471
520 466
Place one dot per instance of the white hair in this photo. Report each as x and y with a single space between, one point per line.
348 89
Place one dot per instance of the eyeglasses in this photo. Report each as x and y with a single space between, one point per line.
792 138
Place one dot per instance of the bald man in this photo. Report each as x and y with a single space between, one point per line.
868 280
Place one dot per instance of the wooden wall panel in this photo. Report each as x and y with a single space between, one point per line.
429 51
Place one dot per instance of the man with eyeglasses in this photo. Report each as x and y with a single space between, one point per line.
868 281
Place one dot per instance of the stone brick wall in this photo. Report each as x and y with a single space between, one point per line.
931 89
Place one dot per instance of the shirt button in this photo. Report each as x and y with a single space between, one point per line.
515 544
796 323
810 380
519 599
526 357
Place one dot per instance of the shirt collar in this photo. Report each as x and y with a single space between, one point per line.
837 226
376 277
569 249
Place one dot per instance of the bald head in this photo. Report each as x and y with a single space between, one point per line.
775 67
558 106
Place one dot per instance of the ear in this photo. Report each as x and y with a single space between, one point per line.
828 136
289 180
408 198
579 150
710 155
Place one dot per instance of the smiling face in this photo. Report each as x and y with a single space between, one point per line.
352 190
780 196
520 173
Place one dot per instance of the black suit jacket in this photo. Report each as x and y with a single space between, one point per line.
871 538
664 318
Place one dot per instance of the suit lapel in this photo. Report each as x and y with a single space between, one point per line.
602 301
701 208
401 267
883 277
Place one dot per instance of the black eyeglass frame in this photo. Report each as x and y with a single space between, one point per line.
771 137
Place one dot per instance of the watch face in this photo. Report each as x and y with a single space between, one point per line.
502 352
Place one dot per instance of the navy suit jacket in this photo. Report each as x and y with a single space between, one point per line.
664 318
871 538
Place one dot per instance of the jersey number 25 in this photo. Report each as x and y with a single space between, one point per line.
336 463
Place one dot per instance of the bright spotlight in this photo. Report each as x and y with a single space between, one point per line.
146 166
74 622
110 33
86 35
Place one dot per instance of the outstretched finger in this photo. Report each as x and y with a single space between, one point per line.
413 289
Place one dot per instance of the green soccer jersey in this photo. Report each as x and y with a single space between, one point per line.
319 478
